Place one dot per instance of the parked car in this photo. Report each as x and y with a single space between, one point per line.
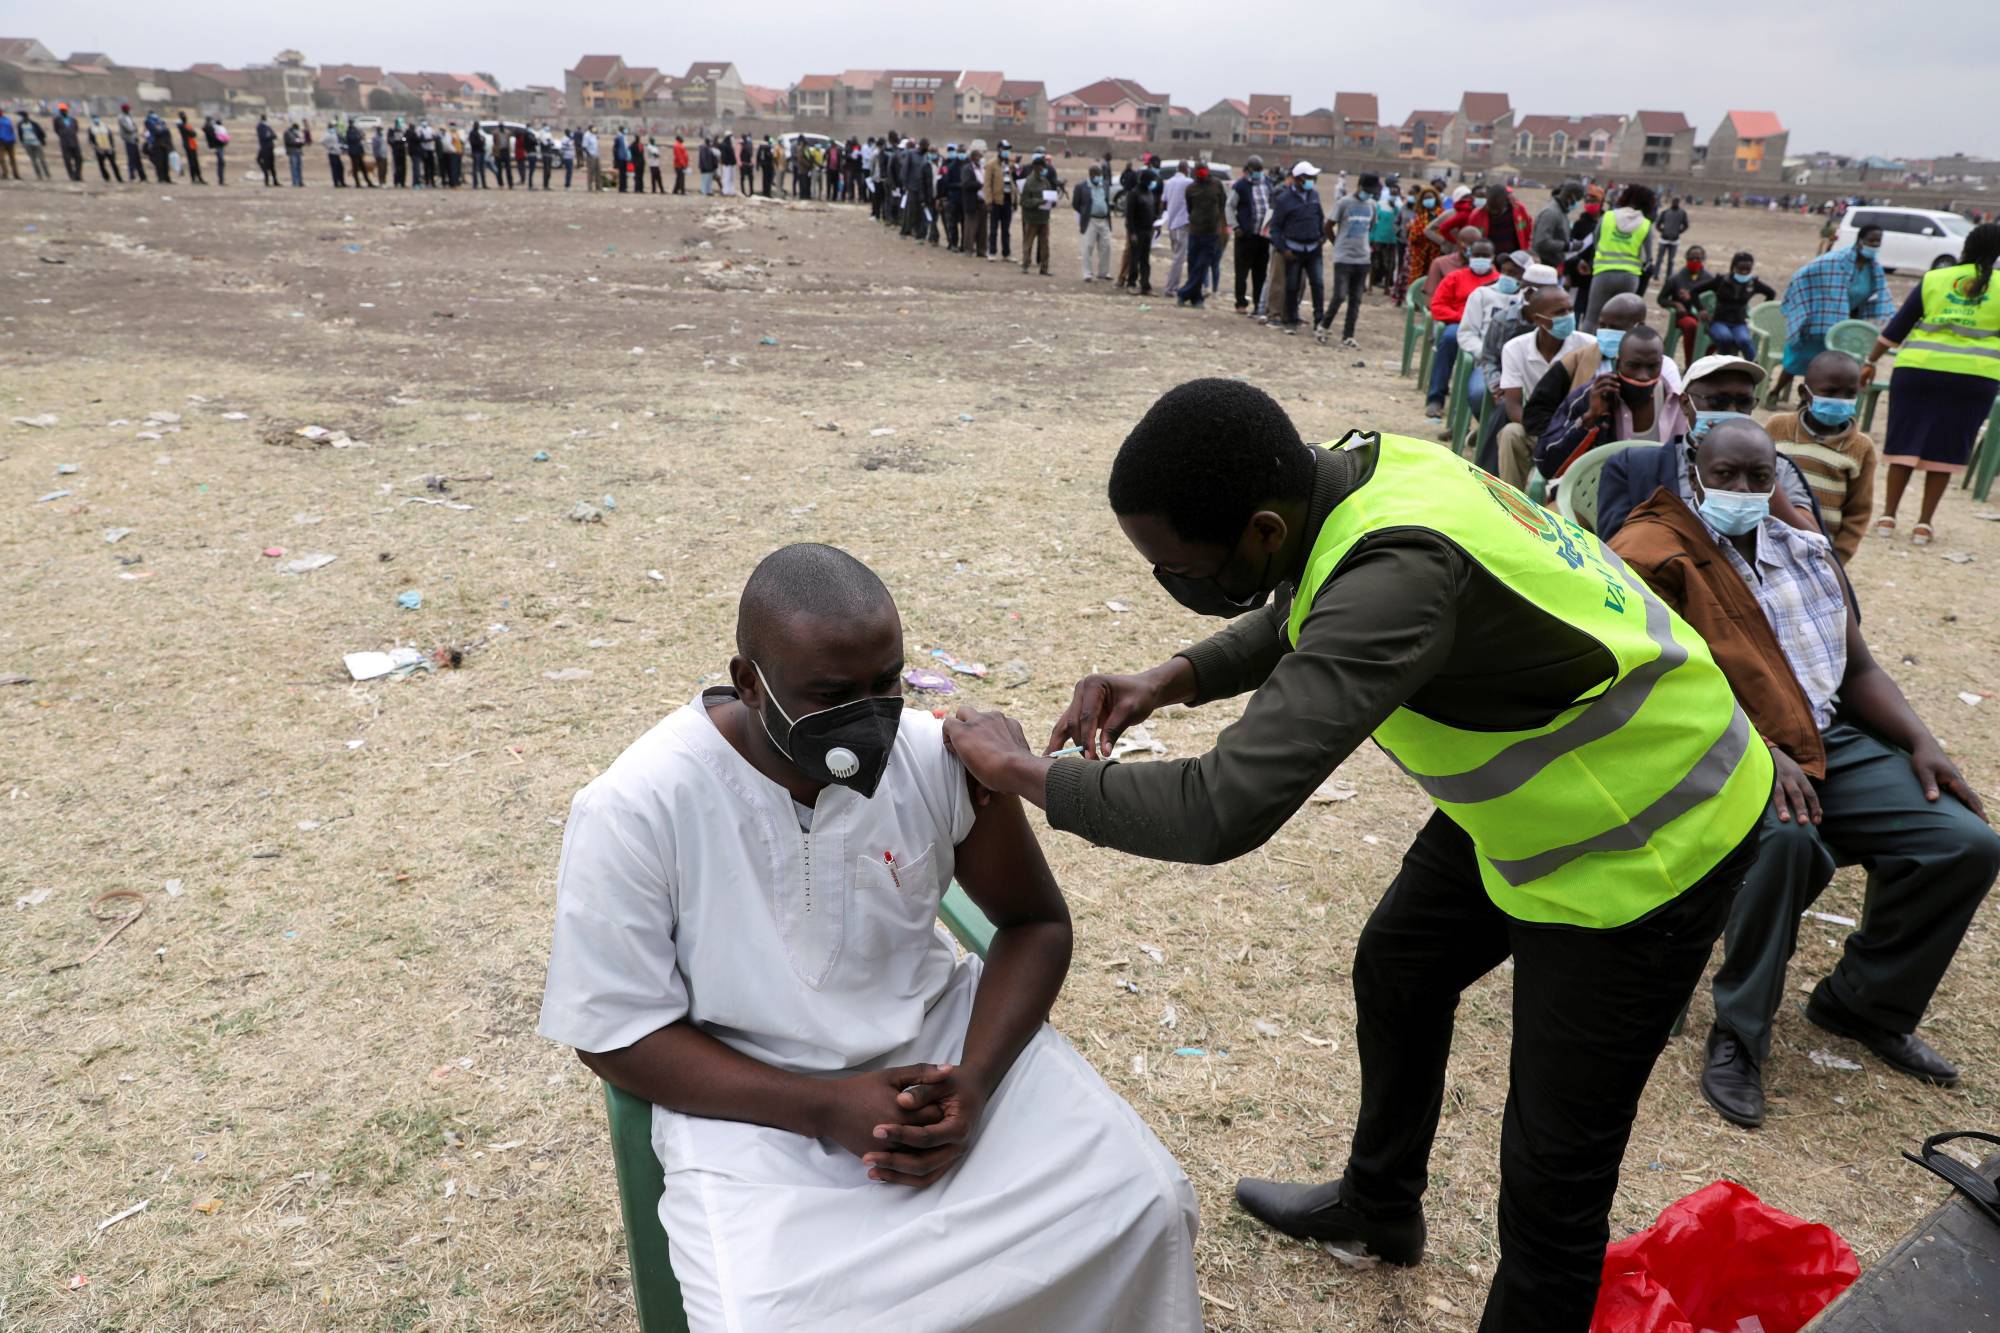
1912 238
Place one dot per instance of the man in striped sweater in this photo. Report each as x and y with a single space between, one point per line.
1837 459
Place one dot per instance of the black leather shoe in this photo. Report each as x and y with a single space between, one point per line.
1731 1081
1315 1212
1904 1052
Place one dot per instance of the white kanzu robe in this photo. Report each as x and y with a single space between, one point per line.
688 890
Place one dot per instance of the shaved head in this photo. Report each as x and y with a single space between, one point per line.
806 581
1625 311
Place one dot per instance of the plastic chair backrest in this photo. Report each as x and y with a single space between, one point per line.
1416 300
1769 320
1856 337
1576 500
656 1292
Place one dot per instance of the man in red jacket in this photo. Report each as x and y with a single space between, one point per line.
1447 308
680 166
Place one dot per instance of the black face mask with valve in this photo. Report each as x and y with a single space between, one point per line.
1212 596
847 745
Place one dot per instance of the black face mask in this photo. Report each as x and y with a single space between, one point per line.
847 745
1211 596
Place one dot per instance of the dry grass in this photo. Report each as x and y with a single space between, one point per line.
330 1027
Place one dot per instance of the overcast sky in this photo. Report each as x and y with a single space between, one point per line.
1854 77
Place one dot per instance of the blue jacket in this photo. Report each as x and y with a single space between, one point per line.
7 134
1298 223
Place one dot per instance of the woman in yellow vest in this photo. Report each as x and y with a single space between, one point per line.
1945 378
1597 790
1622 253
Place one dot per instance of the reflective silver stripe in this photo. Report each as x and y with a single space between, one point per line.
1703 781
1518 764
1952 349
1962 330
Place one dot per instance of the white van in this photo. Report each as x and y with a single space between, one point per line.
1913 239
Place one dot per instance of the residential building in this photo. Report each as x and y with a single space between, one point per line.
447 94
1183 126
712 90
857 93
535 103
1227 122
1110 109
978 96
1315 129
347 86
1357 122
1270 121
1482 122
816 97
628 96
921 94
1588 142
1749 145
1023 105
1655 141
587 87
26 51
767 103
1422 134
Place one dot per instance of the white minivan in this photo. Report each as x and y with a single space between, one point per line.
1913 239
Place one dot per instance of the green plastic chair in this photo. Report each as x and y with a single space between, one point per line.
1985 460
1458 410
1577 500
1857 337
1767 329
656 1293
1706 303
1416 322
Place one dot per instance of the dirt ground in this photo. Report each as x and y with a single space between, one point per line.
313 1057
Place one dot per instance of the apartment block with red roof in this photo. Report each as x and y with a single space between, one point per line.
1585 142
815 97
1357 120
1483 123
588 86
1421 134
1315 129
1111 108
1023 104
1656 141
978 96
1748 145
1270 120
712 90
920 94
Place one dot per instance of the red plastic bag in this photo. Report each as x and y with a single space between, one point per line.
1718 1259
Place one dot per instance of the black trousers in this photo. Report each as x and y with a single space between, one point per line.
399 155
107 165
132 167
1303 268
1000 229
1592 1009
1253 261
769 170
680 180
1349 281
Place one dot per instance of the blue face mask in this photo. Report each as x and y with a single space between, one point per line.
1507 284
1745 278
1481 266
1869 251
1430 201
1562 326
1836 412
1704 422
1608 341
1733 513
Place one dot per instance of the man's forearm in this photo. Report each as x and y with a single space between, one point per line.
684 1069
1875 701
1024 973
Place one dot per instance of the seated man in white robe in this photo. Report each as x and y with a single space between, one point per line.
858 1130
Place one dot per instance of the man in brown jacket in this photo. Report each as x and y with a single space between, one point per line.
1865 783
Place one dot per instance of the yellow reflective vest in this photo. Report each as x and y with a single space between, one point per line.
1632 793
1959 332
1618 251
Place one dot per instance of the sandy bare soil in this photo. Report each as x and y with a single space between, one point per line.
313 1056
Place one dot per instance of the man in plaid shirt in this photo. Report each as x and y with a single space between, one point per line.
1860 779
1841 284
